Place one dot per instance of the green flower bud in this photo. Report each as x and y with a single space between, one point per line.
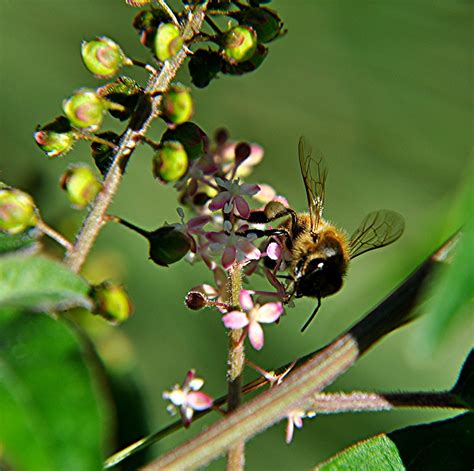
193 138
81 185
85 109
168 41
103 57
170 162
177 104
264 22
240 44
168 245
111 302
56 138
17 211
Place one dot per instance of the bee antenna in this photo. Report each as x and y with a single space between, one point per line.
311 317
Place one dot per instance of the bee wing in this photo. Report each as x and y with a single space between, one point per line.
314 173
378 229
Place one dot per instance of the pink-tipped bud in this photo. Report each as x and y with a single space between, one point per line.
103 57
85 109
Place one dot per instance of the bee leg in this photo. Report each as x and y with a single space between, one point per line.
311 317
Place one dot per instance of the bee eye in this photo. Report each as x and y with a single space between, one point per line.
320 265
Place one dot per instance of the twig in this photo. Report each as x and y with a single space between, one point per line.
157 83
334 403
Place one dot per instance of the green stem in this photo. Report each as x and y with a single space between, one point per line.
94 221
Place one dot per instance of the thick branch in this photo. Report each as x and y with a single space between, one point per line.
137 127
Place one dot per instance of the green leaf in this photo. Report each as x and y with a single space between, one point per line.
51 417
453 291
12 243
378 452
38 284
464 387
442 445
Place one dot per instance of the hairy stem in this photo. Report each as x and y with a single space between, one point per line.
235 366
147 110
357 401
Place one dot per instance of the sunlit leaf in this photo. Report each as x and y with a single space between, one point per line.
380 452
51 415
38 283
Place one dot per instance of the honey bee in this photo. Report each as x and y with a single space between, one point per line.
319 253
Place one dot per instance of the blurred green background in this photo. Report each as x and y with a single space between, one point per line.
383 88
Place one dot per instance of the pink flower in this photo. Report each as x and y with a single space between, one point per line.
187 399
232 198
234 248
252 316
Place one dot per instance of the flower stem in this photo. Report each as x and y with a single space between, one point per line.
235 366
94 221
53 234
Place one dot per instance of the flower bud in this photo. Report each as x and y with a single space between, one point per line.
17 211
177 104
168 245
265 22
85 109
111 302
102 56
240 44
168 41
195 300
170 162
55 139
193 138
81 185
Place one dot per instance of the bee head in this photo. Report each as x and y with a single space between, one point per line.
320 274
